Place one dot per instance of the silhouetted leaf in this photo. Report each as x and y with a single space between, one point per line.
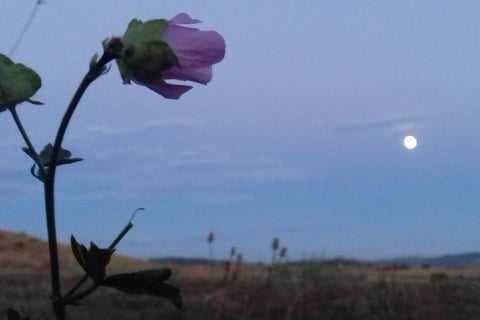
97 261
80 252
146 282
35 102
64 157
93 261
29 153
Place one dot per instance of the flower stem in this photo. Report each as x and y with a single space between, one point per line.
96 70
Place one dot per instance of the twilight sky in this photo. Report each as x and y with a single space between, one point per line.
299 134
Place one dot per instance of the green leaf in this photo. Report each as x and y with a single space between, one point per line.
17 83
146 282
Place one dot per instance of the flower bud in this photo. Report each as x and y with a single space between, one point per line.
159 50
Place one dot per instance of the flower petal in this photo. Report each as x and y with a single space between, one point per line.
201 75
194 48
167 90
183 18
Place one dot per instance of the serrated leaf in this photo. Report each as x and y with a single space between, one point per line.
17 83
146 282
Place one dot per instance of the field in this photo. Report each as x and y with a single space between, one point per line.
304 290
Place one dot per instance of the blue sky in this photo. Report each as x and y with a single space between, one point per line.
299 134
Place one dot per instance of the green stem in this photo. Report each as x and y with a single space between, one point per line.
95 71
33 153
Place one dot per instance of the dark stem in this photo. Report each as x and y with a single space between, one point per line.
13 111
74 298
95 71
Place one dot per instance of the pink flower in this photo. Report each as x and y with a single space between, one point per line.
188 55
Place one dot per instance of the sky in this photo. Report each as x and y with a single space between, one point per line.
298 135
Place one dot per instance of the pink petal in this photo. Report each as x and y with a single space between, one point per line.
201 75
195 48
167 90
183 18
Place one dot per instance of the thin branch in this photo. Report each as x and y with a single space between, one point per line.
25 27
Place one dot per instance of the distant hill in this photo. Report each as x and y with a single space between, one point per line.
184 260
461 259
452 260
20 252
448 260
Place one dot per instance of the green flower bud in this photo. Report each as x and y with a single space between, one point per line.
146 61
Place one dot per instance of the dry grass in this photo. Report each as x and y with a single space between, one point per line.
309 290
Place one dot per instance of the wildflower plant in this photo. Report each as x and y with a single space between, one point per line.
275 246
210 239
148 54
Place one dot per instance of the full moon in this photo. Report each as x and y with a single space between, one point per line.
410 142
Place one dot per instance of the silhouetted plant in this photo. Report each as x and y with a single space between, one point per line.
149 53
275 246
283 254
210 239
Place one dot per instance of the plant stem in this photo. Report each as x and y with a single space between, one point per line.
33 153
95 71
69 294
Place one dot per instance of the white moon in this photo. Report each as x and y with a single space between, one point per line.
410 142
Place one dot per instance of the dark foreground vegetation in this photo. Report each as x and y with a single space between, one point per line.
309 290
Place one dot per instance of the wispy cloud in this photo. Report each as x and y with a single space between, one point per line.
392 124
95 131
207 172
210 166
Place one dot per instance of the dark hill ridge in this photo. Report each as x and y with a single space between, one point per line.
19 251
448 260
453 260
